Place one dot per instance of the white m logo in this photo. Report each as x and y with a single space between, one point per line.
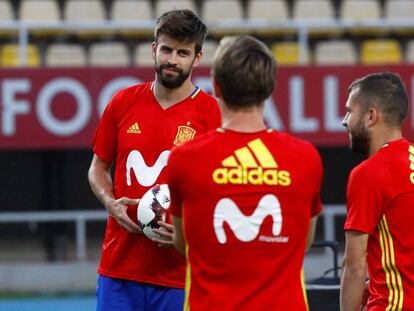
246 228
146 175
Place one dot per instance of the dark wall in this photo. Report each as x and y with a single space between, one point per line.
57 180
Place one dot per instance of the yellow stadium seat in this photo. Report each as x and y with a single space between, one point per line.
143 55
335 52
65 55
288 53
109 54
39 11
381 52
267 10
162 6
130 11
10 56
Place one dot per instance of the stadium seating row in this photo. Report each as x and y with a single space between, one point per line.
211 11
328 52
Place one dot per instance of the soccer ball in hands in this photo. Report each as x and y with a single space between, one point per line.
153 208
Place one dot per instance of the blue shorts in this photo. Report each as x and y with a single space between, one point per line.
124 295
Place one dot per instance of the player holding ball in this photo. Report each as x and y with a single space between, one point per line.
135 135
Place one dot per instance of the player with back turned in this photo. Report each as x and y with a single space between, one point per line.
379 227
135 134
244 198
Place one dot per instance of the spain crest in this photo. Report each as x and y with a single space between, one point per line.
184 133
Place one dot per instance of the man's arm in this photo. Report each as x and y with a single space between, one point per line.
178 238
311 232
354 270
101 183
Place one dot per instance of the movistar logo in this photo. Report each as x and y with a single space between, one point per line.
146 175
246 228
253 164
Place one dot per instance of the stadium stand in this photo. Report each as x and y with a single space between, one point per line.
409 52
215 11
288 53
6 11
84 11
335 52
39 11
267 11
65 55
380 52
130 11
357 10
162 6
399 10
108 54
209 49
10 57
313 10
143 55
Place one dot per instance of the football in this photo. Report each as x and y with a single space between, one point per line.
153 208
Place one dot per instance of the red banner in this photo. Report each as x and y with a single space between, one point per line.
60 108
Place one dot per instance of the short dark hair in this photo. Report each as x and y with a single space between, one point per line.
182 25
385 91
245 70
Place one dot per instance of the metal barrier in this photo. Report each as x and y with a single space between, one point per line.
80 217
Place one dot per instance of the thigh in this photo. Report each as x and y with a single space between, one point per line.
162 298
120 295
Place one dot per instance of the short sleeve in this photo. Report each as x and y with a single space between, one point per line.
105 139
364 201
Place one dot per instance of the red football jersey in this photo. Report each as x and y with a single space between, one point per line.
246 200
137 134
380 202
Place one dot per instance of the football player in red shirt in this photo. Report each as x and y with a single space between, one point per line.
244 198
380 198
135 134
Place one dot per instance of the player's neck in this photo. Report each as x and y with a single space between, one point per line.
381 137
167 97
243 121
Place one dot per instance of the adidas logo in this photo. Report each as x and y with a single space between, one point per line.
411 158
253 164
134 129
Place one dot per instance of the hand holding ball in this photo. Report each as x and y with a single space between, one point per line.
153 208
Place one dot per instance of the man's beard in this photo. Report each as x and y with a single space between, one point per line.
360 139
171 82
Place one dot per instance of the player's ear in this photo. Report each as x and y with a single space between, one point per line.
154 49
197 59
217 90
372 117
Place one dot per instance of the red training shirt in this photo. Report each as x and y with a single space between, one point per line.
380 202
246 200
137 134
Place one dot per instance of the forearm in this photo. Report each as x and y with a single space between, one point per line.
352 287
101 184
